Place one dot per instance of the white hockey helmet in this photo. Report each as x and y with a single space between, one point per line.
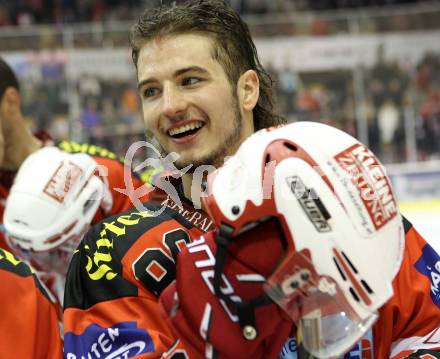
338 219
52 202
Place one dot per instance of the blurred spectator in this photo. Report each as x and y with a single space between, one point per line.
107 106
130 105
288 84
388 118
91 117
88 85
387 81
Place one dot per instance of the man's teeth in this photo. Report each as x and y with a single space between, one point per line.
188 127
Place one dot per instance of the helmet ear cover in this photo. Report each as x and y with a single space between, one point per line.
321 186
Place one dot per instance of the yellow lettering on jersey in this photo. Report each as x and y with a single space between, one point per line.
114 229
76 147
105 244
66 146
103 270
127 221
93 150
9 257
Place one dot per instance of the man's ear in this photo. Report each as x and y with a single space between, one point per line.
248 90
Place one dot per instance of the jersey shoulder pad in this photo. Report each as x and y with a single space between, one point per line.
11 264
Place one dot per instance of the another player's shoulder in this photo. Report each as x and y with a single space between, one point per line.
90 149
414 241
14 272
422 257
12 264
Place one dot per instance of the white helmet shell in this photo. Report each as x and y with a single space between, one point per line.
337 209
54 198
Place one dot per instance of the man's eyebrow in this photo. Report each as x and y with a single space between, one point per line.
176 74
190 68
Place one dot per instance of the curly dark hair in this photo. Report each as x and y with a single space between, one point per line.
233 47
7 78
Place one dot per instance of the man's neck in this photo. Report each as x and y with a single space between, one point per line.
187 183
20 143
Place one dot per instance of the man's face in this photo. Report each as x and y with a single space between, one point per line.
189 105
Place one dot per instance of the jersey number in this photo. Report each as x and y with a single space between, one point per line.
155 268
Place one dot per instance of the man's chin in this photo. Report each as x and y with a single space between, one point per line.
195 163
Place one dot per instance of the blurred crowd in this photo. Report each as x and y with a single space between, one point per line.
26 12
105 23
395 96
107 111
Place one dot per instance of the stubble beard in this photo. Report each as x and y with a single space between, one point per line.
224 147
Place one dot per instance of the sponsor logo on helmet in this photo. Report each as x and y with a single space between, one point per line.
62 180
369 178
122 340
429 265
310 203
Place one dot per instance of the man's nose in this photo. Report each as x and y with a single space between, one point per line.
174 103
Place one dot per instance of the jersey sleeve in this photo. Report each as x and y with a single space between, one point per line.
29 323
112 287
123 184
409 324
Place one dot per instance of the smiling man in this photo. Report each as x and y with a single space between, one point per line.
203 93
190 106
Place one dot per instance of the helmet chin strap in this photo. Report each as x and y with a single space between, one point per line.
245 309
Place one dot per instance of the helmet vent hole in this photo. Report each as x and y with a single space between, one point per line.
354 295
367 287
267 159
290 146
235 210
339 269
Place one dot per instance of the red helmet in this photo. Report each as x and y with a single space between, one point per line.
339 221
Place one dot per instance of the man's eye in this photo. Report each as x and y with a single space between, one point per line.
190 81
150 92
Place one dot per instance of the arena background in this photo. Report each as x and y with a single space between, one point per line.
371 68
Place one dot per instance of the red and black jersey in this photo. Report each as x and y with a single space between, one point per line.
409 323
126 261
114 280
29 324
